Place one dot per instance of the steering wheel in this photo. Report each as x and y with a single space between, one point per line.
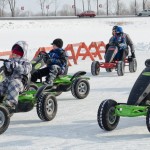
43 54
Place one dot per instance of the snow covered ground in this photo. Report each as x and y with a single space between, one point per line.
75 125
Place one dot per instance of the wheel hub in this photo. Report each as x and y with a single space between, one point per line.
2 119
112 116
50 106
82 88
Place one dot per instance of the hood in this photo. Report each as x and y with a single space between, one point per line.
24 47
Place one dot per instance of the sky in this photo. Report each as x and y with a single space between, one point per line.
34 6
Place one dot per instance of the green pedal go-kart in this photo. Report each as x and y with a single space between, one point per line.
78 84
138 104
45 102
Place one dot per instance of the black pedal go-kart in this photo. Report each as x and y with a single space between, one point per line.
45 102
138 104
111 63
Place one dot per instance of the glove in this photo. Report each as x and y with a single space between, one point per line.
133 55
10 65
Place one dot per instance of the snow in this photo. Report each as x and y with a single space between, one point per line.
75 125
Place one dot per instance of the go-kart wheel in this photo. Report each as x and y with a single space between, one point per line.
147 62
133 65
4 119
95 68
148 120
80 88
120 68
46 107
106 118
108 70
33 87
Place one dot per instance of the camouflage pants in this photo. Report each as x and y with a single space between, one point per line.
10 89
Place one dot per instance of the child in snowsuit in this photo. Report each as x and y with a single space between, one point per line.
119 40
56 63
15 69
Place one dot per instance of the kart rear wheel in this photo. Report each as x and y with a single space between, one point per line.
46 107
120 68
4 119
106 118
133 65
80 88
148 120
95 68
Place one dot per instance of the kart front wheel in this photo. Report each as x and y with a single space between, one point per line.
80 88
46 107
4 119
95 68
133 65
106 118
120 68
148 120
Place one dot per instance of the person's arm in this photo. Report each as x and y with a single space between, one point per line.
130 43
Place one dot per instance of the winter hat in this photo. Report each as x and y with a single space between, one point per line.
58 42
16 49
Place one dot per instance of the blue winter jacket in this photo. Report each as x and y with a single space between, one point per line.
58 57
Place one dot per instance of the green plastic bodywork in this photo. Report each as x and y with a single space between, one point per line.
130 110
30 95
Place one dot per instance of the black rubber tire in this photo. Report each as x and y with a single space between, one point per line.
148 120
120 68
46 107
147 62
133 65
4 119
105 118
95 68
80 88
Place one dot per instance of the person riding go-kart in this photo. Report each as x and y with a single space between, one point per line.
116 55
17 94
56 61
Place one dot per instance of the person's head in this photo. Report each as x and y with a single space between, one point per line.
119 31
57 43
114 30
19 49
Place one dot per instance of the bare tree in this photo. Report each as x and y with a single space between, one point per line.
66 11
44 5
3 3
89 4
12 5
83 4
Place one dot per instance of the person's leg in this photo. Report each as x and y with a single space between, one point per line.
3 87
54 71
39 74
14 87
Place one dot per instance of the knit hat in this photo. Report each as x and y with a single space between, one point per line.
58 42
16 49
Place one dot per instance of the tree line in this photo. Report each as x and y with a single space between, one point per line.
109 7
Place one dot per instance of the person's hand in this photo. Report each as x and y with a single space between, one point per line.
9 65
133 55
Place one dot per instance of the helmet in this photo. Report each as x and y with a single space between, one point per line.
58 42
119 30
114 27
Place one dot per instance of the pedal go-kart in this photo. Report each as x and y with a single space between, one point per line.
45 102
138 104
77 83
111 63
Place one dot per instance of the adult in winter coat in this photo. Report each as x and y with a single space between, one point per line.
15 69
119 40
56 63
